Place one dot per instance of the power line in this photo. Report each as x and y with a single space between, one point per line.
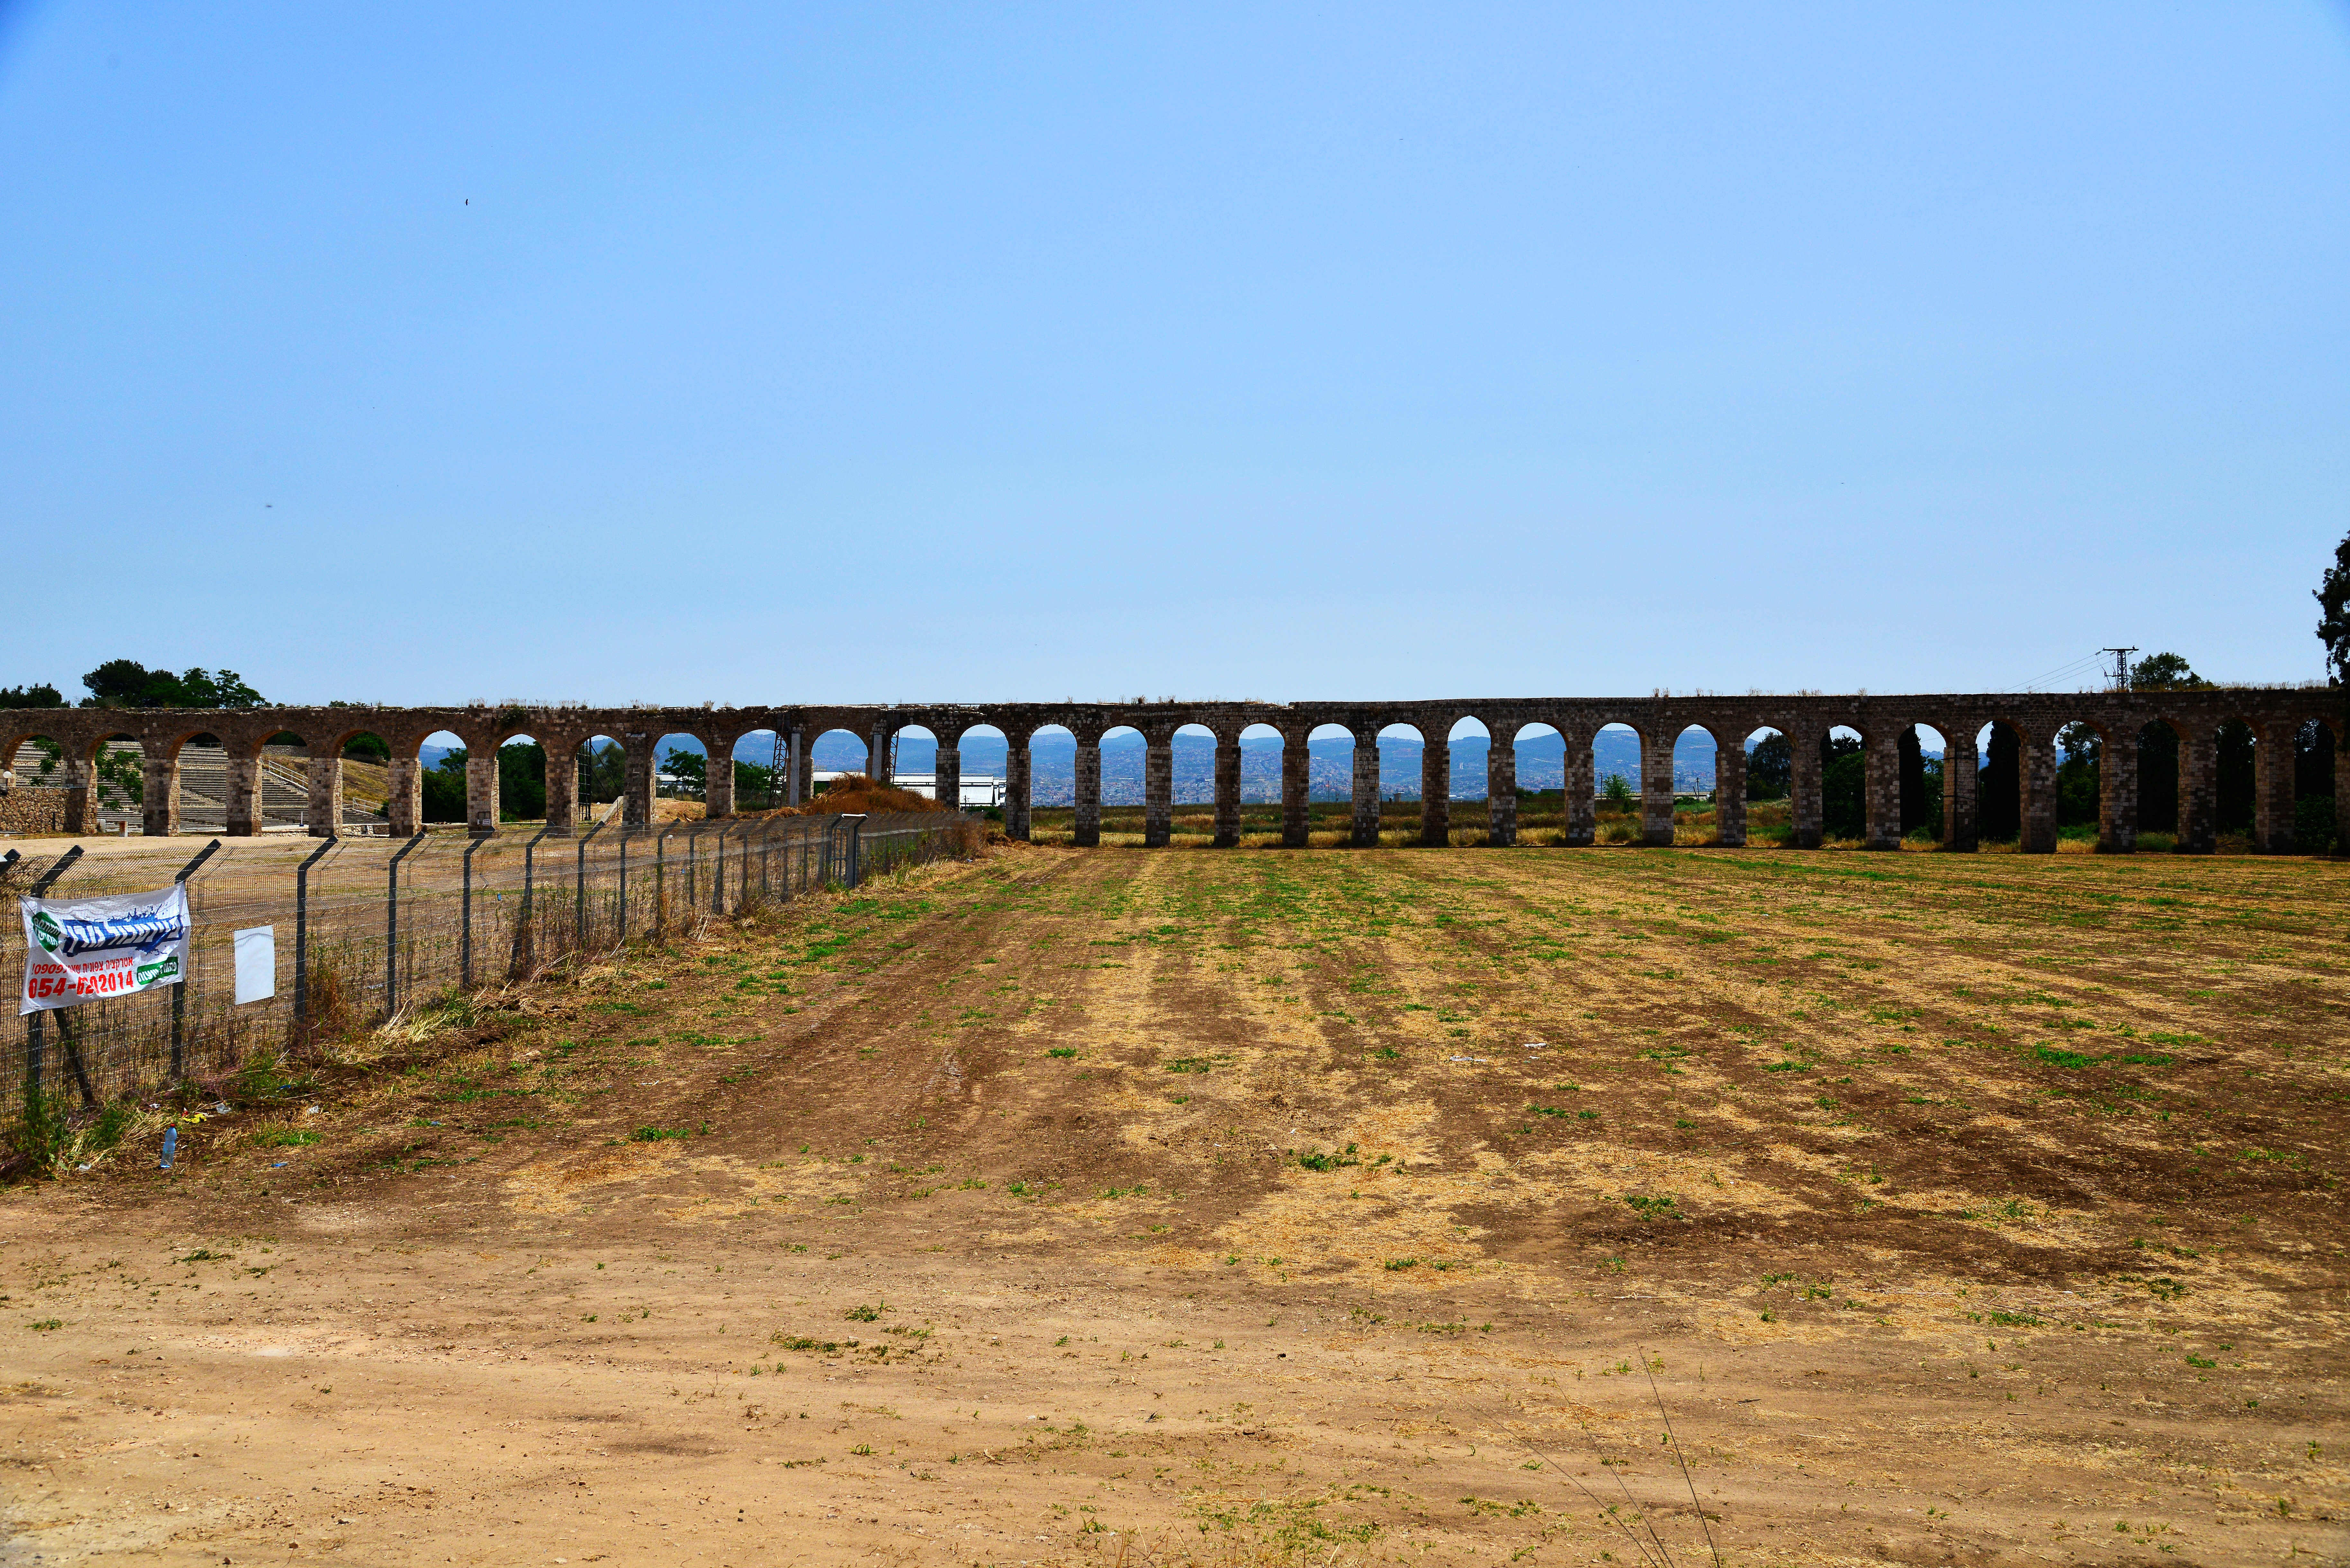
2061 671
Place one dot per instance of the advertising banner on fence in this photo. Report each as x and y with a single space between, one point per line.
81 949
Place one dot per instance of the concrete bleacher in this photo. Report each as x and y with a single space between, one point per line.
203 788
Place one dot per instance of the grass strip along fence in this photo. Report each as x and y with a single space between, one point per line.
369 930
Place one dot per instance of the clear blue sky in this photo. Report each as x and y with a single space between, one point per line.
874 352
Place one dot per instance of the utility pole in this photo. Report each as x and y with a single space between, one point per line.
2121 666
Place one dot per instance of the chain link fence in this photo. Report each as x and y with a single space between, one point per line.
366 929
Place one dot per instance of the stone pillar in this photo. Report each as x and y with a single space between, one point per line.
2118 794
405 809
1088 793
1656 789
795 767
1730 796
1501 789
1961 827
718 781
1365 835
2035 765
158 794
322 813
240 782
1806 807
480 789
81 795
1881 790
1158 790
1228 790
562 789
2199 790
1296 787
947 788
2272 788
1016 786
876 755
1576 775
640 780
1435 787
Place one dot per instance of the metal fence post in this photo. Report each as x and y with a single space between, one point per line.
692 848
36 1034
623 940
465 919
661 879
580 907
391 928
302 938
528 930
718 873
179 991
856 824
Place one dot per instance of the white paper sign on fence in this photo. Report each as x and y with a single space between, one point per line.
256 964
83 950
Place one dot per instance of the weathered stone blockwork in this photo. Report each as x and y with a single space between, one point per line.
2274 714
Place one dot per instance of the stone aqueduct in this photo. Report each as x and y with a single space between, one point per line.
2274 714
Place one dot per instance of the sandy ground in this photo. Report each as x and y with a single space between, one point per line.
1949 1210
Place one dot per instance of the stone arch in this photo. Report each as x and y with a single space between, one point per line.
2162 785
43 785
1621 759
1404 767
2318 764
837 748
2082 770
1192 752
1475 748
1109 770
973 766
2252 783
113 758
1697 769
1922 753
910 750
1259 765
1766 779
600 779
1536 759
443 780
516 787
2015 781
1051 750
1843 783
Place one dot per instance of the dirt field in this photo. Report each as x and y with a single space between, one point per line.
1257 1207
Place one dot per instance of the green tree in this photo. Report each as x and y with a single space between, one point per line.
521 781
2164 672
691 769
127 683
1770 768
2332 597
753 782
2078 772
444 788
2158 744
41 696
1844 787
603 772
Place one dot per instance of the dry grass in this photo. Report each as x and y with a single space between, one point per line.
1301 1207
